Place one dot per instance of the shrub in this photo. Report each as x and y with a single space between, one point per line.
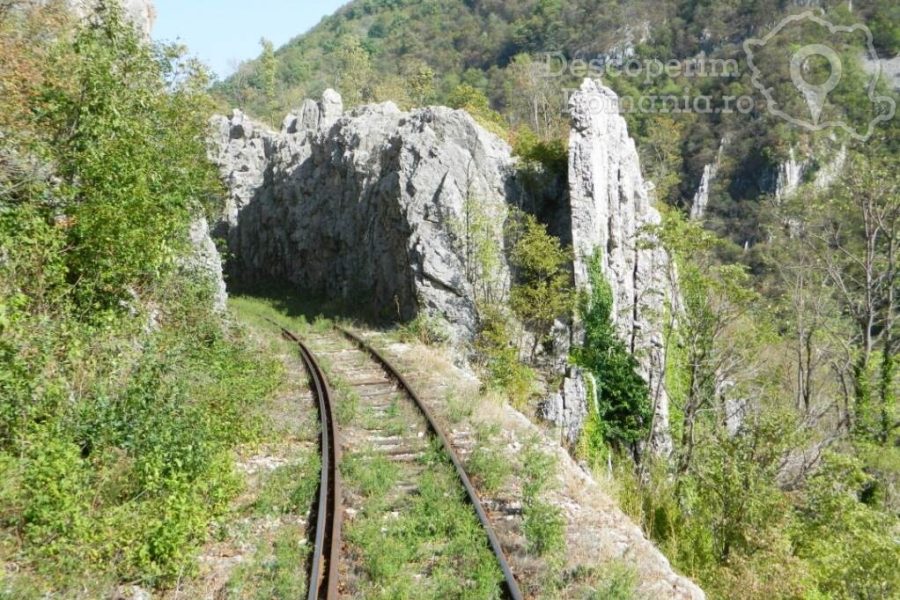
427 328
122 394
501 357
623 411
543 291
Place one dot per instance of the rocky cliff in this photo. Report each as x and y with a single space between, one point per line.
369 206
140 12
366 207
611 209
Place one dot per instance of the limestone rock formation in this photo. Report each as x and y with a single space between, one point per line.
710 174
792 173
206 262
366 206
568 408
140 12
611 206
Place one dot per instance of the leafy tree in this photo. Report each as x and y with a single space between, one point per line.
353 70
714 331
543 290
268 66
623 411
853 232
122 394
420 82
473 100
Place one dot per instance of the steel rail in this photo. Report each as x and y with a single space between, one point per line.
512 587
323 578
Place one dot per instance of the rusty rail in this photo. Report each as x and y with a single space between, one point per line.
512 587
323 577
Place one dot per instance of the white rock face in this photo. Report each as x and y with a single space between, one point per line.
793 171
790 176
888 68
206 261
610 207
140 12
362 206
568 408
701 198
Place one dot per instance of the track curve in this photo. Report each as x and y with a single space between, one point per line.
323 578
512 587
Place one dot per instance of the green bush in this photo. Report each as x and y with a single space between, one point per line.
429 329
500 354
543 289
623 411
122 394
544 524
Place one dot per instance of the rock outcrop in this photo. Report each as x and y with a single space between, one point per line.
794 172
611 208
206 262
568 408
366 207
140 12
708 179
370 206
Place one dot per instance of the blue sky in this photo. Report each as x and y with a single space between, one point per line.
224 32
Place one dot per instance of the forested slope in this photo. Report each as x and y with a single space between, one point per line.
454 51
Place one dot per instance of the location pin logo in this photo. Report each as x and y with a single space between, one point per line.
816 94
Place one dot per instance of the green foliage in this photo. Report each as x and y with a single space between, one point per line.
268 67
488 467
122 394
544 528
427 328
622 414
477 232
273 571
496 344
550 155
618 582
289 489
392 551
544 524
847 541
473 101
542 293
353 70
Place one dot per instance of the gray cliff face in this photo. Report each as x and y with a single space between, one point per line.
792 173
362 206
206 262
611 206
367 207
140 12
710 174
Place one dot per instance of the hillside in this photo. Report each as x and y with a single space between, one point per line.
565 337
452 51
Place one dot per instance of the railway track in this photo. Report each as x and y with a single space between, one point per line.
323 577
382 388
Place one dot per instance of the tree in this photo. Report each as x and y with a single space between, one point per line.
543 290
714 333
353 70
268 72
855 233
420 83
661 154
623 413
533 98
473 101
